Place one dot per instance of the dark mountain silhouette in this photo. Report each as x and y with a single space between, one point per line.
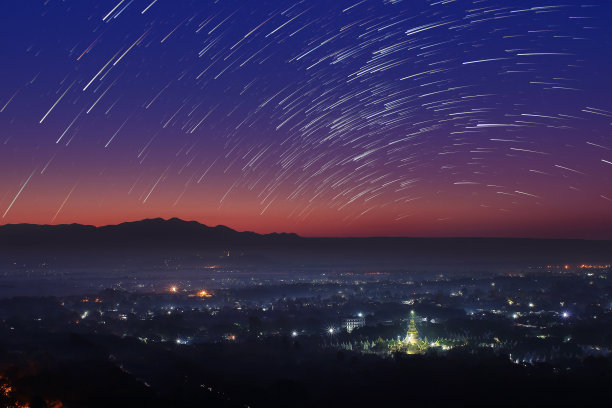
149 233
158 235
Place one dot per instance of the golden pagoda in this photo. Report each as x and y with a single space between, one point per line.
411 344
412 334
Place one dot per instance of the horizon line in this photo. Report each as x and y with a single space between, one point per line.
308 236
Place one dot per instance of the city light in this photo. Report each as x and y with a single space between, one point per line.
201 293
294 333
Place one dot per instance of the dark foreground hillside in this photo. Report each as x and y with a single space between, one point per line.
89 370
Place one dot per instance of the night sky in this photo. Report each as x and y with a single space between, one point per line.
373 117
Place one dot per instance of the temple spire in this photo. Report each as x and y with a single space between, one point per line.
412 334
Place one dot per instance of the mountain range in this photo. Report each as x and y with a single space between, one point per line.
157 236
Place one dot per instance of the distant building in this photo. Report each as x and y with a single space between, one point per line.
352 323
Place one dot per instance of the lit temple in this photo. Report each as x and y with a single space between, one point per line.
411 344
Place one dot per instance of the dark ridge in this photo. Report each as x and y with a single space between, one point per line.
147 233
158 235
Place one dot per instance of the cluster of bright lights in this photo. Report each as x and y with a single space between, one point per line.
201 294
590 266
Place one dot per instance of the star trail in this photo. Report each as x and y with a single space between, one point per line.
372 117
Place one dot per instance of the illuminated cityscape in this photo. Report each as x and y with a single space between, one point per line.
212 310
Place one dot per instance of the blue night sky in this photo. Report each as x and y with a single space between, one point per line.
373 117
